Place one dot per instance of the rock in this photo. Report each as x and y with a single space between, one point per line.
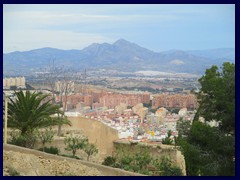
31 165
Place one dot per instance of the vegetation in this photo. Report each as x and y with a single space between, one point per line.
31 111
174 110
24 140
153 110
110 161
29 87
168 139
45 136
12 171
75 143
90 149
138 159
211 150
165 167
50 150
148 105
183 126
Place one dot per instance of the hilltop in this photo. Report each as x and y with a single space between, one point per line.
121 55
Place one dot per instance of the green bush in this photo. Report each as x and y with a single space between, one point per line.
139 160
50 150
109 161
13 172
27 140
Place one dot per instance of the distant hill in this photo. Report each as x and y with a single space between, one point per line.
221 53
121 55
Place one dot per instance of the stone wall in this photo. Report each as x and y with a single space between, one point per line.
97 133
104 136
157 151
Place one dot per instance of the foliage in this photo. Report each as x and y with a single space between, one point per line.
31 111
12 171
211 150
50 150
24 140
138 159
110 161
75 143
183 127
208 147
153 110
168 139
148 105
174 110
217 96
165 167
45 136
129 107
90 149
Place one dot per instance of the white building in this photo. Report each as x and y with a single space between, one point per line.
19 82
182 112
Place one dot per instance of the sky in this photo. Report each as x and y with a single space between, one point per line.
157 27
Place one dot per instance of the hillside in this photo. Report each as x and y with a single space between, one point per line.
121 55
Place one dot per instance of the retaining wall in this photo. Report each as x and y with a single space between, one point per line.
105 170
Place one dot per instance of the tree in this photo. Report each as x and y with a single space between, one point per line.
183 127
45 136
90 149
211 150
168 140
139 159
75 143
166 168
217 96
65 90
52 74
208 151
30 111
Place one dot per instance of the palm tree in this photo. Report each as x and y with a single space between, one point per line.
31 111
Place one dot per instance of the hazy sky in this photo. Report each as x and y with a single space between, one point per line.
157 27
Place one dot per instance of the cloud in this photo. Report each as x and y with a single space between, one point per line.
33 39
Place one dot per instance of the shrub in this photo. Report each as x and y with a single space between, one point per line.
13 172
50 150
109 161
45 136
25 140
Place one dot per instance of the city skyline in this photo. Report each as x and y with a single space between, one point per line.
157 27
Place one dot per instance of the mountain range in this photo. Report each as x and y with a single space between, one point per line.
121 55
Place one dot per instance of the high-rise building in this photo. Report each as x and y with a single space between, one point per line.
174 101
19 82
